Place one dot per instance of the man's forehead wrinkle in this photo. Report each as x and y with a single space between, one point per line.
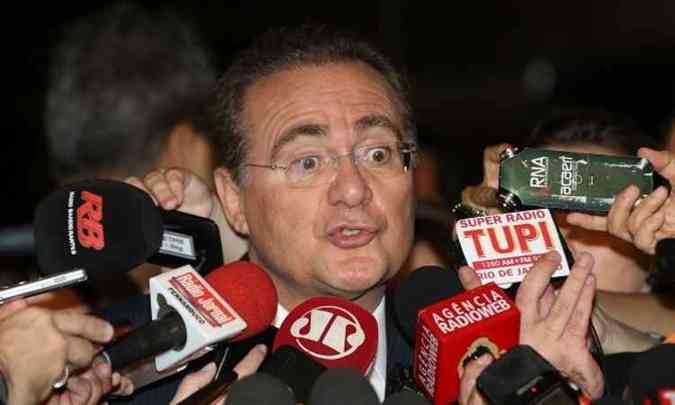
303 130
377 121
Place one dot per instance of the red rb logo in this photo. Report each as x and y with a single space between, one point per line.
89 227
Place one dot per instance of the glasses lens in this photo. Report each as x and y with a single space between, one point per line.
386 160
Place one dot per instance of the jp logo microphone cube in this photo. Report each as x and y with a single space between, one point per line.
333 331
456 330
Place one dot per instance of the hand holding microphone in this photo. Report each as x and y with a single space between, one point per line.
191 314
556 326
38 345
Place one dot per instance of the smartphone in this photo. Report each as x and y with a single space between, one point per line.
26 289
584 182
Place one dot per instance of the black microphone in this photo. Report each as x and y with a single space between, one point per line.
663 278
295 368
406 398
423 287
450 326
109 227
522 376
338 386
652 376
259 389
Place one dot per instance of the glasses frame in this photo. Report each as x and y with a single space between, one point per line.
408 151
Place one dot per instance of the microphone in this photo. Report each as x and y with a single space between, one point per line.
320 333
340 386
296 368
522 376
191 313
108 227
406 398
259 389
451 332
651 379
333 331
663 278
423 287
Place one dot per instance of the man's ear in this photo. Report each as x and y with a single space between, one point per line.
229 195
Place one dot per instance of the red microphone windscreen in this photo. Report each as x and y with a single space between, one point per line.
250 291
333 331
454 331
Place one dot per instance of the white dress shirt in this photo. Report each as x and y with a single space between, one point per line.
378 373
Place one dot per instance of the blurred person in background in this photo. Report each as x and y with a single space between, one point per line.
126 95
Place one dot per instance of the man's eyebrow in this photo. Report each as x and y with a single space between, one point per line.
377 120
311 130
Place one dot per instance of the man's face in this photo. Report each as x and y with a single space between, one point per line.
341 237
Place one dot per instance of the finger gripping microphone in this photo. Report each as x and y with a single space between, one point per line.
191 313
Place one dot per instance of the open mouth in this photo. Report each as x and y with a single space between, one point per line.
350 237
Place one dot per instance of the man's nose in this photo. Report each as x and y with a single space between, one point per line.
350 186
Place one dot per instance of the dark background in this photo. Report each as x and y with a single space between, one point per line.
482 71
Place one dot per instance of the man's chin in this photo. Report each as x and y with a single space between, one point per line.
358 284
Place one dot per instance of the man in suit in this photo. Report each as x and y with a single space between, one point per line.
316 144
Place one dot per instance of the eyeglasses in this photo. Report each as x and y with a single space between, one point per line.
383 160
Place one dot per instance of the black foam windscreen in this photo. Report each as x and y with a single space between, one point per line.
653 370
663 278
295 368
338 386
406 398
259 389
102 226
423 287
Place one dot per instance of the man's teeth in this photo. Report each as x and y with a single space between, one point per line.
350 231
